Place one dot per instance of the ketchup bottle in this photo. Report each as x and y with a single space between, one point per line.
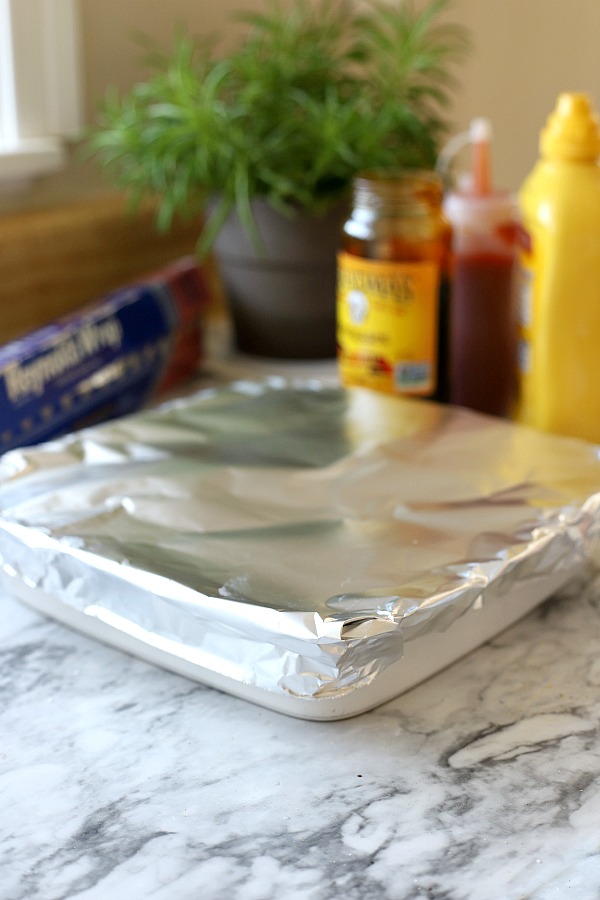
483 318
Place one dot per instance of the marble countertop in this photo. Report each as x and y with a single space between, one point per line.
120 780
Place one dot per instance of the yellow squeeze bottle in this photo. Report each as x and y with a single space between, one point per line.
560 263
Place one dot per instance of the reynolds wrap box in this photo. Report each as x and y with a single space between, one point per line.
107 360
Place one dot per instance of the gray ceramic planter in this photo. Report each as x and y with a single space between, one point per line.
282 303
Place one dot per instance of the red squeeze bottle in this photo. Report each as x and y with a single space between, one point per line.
483 321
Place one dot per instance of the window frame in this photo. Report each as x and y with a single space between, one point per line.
40 85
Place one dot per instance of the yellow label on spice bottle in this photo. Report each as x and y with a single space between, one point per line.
387 324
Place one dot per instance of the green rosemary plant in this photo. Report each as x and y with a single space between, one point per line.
313 94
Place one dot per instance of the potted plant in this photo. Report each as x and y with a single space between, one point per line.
315 93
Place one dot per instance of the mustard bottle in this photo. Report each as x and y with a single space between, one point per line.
559 358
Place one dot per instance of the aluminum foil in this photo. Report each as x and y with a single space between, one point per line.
291 536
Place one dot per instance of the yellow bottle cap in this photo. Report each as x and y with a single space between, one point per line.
572 130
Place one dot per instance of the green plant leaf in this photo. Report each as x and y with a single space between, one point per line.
314 93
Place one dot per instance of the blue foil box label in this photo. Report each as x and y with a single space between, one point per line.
104 362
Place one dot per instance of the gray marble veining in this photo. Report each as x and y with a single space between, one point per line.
119 780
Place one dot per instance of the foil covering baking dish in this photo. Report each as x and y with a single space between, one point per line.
314 549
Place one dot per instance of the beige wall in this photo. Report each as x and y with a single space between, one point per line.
112 54
525 53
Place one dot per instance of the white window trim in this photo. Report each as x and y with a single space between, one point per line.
40 85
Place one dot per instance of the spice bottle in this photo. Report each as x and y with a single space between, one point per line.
483 329
392 286
560 331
